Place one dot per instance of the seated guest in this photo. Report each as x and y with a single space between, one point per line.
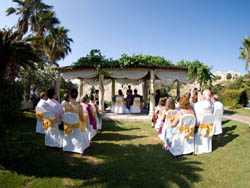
135 95
66 99
205 106
185 108
160 111
43 98
54 106
119 103
74 106
168 130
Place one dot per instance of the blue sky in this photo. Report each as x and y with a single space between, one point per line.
208 30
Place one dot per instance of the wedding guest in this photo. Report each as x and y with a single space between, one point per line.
185 108
205 106
43 98
66 99
53 105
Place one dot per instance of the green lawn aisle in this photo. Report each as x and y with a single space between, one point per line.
123 155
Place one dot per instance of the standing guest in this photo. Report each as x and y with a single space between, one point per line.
205 106
54 106
97 97
157 96
129 97
217 103
43 98
96 113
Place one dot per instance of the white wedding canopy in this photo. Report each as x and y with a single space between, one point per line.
168 74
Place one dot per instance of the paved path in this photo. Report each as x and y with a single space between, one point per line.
144 118
243 119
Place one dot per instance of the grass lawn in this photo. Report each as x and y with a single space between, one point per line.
242 111
123 155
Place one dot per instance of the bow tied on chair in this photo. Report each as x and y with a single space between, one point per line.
39 116
187 130
137 102
206 128
119 103
68 128
48 123
170 117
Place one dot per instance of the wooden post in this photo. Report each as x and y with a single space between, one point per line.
58 78
80 89
113 88
152 92
101 96
145 93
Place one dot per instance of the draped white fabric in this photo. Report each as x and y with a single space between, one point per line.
128 74
85 74
171 75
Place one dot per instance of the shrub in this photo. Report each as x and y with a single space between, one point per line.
11 96
234 98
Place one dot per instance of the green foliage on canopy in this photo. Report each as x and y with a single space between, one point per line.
245 51
96 60
202 71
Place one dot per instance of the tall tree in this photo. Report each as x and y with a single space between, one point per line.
57 44
14 53
245 51
30 12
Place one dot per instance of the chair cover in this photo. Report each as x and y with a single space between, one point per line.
53 136
136 107
159 122
217 128
203 137
183 140
39 121
119 106
167 124
91 132
74 140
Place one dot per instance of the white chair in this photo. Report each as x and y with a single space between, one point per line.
183 140
203 137
53 136
136 107
169 117
217 128
91 132
119 107
39 121
74 140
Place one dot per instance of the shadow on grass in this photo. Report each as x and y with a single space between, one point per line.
226 137
112 126
115 137
229 112
104 164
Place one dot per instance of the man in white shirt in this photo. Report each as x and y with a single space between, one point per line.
205 106
217 103
53 105
43 98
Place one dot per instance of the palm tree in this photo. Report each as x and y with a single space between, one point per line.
31 12
14 53
57 44
245 50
